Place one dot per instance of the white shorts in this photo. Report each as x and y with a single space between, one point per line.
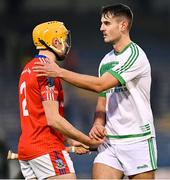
53 164
131 159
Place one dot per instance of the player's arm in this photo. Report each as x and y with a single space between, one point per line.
57 122
98 130
97 84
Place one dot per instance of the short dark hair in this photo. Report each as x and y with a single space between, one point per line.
119 10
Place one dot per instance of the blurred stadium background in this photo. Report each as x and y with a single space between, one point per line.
151 30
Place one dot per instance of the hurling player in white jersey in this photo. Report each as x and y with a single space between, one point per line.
123 113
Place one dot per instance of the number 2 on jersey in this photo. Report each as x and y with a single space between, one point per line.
24 102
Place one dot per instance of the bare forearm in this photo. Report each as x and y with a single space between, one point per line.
68 130
98 129
100 114
99 118
83 81
57 122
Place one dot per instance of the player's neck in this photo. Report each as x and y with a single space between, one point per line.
48 54
121 44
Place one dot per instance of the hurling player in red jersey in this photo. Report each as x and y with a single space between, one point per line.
41 150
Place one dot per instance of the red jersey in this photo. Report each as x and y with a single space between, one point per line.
37 138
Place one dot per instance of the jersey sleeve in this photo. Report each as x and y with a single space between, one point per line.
130 68
49 89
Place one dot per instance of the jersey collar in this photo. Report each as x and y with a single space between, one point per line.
40 56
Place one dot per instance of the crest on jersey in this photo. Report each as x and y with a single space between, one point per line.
50 82
59 164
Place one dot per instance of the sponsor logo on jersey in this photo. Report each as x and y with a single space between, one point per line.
120 89
117 89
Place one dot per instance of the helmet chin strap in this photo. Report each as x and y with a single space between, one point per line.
59 58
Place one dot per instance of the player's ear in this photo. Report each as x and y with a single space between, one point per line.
124 25
55 42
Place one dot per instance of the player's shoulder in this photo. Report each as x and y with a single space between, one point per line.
140 50
109 55
142 58
36 58
27 67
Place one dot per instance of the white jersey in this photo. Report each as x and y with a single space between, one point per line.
128 112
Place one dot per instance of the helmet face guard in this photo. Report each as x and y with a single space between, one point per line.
45 33
68 42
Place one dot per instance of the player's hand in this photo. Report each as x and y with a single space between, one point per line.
77 147
12 156
81 150
95 143
75 143
50 69
97 132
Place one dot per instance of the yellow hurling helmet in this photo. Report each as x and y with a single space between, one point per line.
44 34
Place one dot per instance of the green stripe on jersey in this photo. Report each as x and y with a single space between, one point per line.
117 76
102 94
105 67
118 53
129 59
132 58
128 136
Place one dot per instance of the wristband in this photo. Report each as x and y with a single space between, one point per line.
73 149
